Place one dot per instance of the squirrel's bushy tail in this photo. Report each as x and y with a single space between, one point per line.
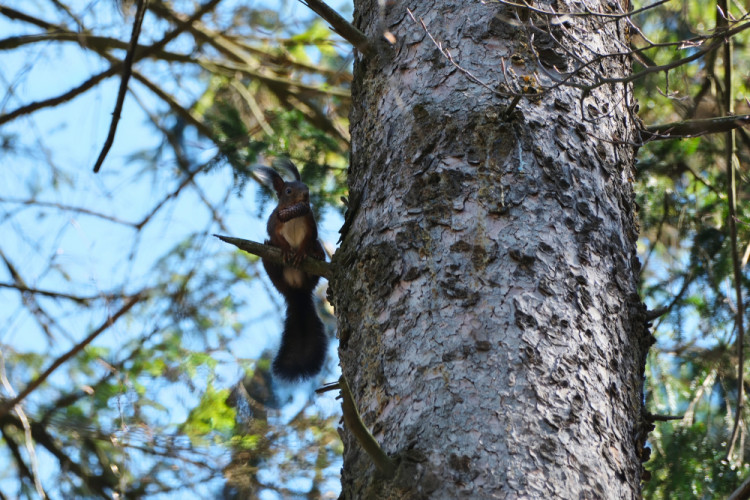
304 342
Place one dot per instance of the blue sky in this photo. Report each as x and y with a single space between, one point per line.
71 252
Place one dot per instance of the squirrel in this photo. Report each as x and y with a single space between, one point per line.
292 228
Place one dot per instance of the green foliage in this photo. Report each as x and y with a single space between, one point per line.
147 409
691 464
317 34
232 137
211 419
683 198
151 407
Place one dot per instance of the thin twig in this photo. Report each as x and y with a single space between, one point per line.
243 91
687 280
58 295
566 79
229 67
185 181
66 9
127 69
740 307
44 319
721 37
584 13
330 386
728 105
66 208
473 78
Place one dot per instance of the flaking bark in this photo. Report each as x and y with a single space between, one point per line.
486 287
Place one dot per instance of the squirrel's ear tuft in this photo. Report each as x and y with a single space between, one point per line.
268 177
287 164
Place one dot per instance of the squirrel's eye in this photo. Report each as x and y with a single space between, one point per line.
288 190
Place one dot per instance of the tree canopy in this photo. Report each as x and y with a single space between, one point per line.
137 344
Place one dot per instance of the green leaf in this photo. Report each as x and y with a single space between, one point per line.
212 420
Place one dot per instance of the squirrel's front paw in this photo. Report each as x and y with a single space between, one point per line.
298 257
288 256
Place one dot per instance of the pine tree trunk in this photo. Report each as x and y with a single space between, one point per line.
490 325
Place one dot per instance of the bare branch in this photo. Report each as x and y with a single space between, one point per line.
310 265
98 44
20 16
58 295
354 423
129 303
655 313
67 208
175 106
29 301
187 180
67 96
693 128
97 483
229 68
114 69
236 49
127 69
341 26
721 37
652 417
741 493
101 45
687 280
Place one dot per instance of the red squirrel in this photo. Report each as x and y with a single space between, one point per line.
292 228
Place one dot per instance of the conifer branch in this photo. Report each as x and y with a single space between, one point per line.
273 254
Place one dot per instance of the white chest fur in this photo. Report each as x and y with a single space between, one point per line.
294 231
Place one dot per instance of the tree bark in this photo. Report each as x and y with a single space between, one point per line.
486 285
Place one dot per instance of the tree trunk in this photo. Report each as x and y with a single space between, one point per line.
490 325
